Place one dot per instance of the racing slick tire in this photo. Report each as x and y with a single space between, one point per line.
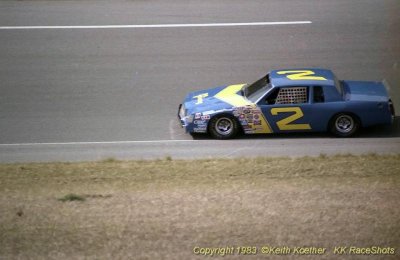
223 127
344 125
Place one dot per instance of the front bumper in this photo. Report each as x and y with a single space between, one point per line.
181 115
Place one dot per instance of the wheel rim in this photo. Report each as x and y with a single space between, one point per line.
224 126
344 124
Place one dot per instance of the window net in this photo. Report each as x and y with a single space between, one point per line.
292 95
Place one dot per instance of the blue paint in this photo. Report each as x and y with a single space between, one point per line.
368 101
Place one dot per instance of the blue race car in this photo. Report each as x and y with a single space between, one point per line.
290 100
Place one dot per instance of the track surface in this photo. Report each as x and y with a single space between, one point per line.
105 85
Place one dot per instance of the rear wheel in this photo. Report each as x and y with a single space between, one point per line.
344 125
223 127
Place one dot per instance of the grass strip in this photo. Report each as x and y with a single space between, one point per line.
165 208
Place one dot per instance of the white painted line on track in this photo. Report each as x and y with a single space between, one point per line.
127 26
107 142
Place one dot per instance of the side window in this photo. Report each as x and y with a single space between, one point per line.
318 94
292 95
271 98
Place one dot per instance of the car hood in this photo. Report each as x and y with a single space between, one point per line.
218 98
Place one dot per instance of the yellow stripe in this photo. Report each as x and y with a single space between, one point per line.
229 95
266 128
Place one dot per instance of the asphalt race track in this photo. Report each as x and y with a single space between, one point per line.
83 91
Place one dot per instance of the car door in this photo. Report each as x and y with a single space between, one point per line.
288 109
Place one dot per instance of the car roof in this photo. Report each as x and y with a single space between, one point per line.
302 77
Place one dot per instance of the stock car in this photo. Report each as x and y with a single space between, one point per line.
289 100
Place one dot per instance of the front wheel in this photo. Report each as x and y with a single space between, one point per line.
223 127
344 125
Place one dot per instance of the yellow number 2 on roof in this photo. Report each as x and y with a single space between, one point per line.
300 75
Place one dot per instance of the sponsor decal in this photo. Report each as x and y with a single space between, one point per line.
199 129
205 117
197 116
241 116
244 122
200 122
256 122
246 111
238 109
256 117
249 116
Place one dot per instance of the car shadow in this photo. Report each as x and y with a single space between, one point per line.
381 131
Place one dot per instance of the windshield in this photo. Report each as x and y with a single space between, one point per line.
256 90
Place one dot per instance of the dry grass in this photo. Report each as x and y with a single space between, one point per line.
162 209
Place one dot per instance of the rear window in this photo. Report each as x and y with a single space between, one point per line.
338 86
